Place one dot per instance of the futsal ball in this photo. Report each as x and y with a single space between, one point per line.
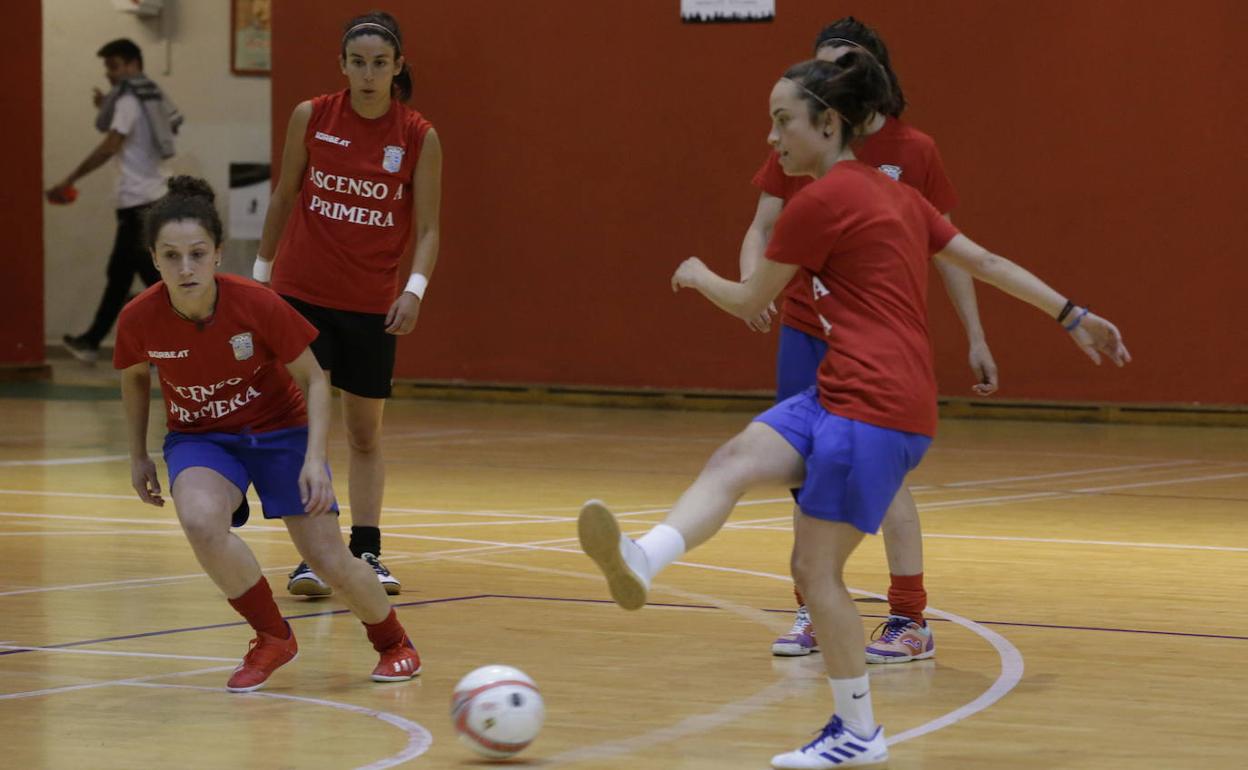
497 711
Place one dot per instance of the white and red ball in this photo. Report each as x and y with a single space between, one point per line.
497 711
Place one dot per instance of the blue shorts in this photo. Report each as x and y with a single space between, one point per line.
271 461
853 469
797 362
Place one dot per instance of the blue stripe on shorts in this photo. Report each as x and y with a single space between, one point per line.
853 469
797 361
271 461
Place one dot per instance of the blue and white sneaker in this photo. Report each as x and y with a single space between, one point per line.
835 747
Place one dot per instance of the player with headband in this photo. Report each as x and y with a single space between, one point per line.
359 192
909 156
845 444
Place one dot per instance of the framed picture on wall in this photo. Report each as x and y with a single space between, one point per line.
249 37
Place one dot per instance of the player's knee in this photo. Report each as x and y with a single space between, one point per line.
364 441
730 461
812 571
331 561
203 520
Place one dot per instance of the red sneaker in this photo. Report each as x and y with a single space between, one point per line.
266 654
398 663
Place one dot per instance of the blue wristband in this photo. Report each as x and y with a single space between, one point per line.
1070 327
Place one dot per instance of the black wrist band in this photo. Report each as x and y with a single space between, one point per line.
1065 311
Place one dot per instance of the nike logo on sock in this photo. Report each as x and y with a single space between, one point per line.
859 695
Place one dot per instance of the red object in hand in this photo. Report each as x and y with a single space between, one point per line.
63 195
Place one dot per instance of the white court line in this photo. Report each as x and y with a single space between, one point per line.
88 532
253 501
106 583
389 528
1188 480
85 495
1055 540
689 726
101 519
419 434
1114 543
1011 661
1065 474
111 682
116 653
1011 674
418 738
1077 492
63 461
488 545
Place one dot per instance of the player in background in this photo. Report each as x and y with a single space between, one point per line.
845 444
139 123
911 157
359 191
246 404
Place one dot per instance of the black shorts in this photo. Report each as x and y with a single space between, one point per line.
353 347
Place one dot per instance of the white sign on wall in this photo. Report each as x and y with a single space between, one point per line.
713 11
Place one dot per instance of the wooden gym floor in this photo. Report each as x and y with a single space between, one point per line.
1087 585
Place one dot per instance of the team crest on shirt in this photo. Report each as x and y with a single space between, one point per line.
392 158
893 171
243 348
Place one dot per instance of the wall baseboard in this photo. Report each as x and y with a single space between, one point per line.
1229 415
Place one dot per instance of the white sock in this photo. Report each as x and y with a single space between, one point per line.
662 546
853 704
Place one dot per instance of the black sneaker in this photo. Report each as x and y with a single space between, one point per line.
81 349
305 582
388 581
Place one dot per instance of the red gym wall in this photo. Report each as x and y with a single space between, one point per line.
21 215
591 146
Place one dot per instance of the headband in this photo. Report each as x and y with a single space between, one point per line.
398 47
812 93
832 41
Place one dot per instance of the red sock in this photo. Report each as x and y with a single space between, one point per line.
798 595
387 633
907 597
259 609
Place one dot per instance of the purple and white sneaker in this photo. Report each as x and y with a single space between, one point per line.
899 640
800 640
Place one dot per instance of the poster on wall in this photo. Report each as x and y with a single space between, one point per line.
726 11
249 37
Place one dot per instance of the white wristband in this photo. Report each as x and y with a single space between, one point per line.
262 270
417 284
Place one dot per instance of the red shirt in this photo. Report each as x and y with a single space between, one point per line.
866 243
352 222
226 375
900 151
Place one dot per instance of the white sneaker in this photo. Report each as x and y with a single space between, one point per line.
621 560
305 582
835 747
